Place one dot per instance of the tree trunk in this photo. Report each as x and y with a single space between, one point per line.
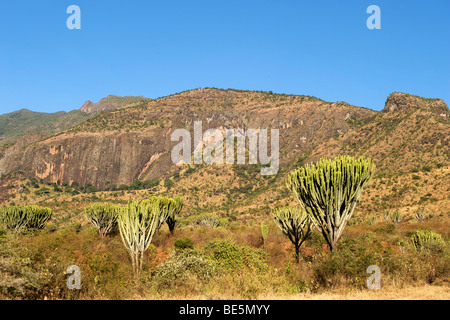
297 253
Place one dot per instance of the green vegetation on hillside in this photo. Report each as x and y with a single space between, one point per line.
23 122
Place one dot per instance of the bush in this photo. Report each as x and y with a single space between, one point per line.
205 219
184 243
425 238
184 265
232 257
347 266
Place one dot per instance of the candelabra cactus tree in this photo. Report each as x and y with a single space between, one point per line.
264 233
30 217
103 216
329 190
396 217
169 208
138 222
295 223
172 217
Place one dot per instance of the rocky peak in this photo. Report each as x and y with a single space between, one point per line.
402 101
109 103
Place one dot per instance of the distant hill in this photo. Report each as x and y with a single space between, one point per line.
24 122
133 142
110 102
131 146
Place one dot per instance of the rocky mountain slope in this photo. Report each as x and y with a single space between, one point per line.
134 142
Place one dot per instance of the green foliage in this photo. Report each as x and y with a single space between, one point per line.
420 214
385 229
183 266
183 243
396 218
205 219
371 221
223 222
138 222
295 223
233 257
264 232
348 265
23 122
103 216
168 183
42 191
29 217
169 209
329 191
423 238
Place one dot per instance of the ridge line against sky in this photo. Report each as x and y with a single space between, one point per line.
175 93
140 48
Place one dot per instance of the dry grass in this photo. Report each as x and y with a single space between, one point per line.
418 292
424 292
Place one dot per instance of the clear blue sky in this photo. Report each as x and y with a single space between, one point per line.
155 48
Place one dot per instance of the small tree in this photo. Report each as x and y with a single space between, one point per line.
396 217
420 214
371 221
329 190
295 223
264 233
103 216
386 216
138 223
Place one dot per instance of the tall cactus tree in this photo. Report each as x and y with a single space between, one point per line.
103 216
329 191
172 217
169 208
138 223
295 223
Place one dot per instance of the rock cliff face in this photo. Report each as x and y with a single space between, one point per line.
132 143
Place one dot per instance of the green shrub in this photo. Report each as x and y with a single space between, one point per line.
205 219
183 243
387 229
182 266
232 256
396 218
223 222
424 238
347 266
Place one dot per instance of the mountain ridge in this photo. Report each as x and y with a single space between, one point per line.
123 144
